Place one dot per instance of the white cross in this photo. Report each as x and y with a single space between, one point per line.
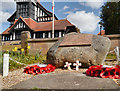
67 65
77 64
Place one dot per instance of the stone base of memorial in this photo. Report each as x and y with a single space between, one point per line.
88 49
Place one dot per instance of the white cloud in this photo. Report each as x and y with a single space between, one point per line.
75 9
94 4
67 12
4 16
8 6
86 22
7 0
66 7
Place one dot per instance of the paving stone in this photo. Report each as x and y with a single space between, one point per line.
66 80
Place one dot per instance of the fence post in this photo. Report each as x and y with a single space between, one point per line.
117 53
5 64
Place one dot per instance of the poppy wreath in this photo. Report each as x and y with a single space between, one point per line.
104 72
35 69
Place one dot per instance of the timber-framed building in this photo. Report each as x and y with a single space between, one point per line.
32 16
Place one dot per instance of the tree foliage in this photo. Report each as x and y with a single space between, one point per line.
110 18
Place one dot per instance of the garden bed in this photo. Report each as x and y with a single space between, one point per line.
19 59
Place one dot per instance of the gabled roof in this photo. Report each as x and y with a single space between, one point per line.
102 32
7 30
47 26
41 26
12 18
44 9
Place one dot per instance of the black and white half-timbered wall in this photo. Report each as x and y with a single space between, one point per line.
31 16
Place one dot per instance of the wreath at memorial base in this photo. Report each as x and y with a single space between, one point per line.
104 72
35 69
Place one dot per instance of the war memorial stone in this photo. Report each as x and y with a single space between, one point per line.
87 48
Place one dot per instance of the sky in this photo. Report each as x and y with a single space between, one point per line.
83 14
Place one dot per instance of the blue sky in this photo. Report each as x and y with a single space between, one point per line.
85 15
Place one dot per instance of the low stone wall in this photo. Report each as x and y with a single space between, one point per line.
115 40
42 45
16 42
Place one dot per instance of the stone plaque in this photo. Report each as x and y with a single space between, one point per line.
77 40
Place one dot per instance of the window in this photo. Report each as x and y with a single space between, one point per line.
41 36
56 34
23 10
18 35
46 34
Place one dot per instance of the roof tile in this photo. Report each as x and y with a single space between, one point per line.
102 32
42 26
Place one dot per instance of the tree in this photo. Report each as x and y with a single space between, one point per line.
110 18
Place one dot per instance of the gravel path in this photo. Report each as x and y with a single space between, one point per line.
14 77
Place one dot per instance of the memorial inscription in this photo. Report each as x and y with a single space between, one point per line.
77 40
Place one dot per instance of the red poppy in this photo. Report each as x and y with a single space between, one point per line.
38 70
117 73
97 73
92 73
51 68
92 70
99 66
92 67
26 70
117 66
43 70
49 65
31 70
35 69
35 66
88 72
112 73
105 74
47 70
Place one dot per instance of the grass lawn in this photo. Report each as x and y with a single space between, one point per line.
26 60
111 56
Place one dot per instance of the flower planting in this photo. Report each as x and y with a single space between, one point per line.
18 54
104 72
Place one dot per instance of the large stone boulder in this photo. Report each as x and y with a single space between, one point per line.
87 48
